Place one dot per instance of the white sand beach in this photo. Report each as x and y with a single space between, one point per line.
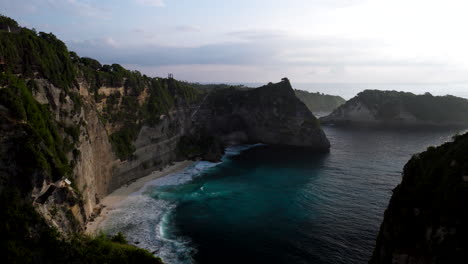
114 199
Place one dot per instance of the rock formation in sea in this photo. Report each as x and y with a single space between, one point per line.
426 220
400 108
271 114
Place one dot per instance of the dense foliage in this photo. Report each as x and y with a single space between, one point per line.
42 55
319 102
37 54
36 151
124 108
26 238
43 147
4 20
215 86
424 107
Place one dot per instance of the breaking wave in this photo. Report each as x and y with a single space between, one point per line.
146 217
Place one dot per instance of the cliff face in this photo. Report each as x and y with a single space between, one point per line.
271 114
97 168
426 220
155 147
400 108
85 129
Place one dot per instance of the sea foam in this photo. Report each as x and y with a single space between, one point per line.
147 221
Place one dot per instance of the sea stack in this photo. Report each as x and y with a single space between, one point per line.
271 114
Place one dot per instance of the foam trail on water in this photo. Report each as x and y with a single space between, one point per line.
148 222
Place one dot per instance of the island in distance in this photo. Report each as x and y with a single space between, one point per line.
320 103
400 108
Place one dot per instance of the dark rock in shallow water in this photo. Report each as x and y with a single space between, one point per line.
271 114
427 218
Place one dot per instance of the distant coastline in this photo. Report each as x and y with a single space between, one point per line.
349 90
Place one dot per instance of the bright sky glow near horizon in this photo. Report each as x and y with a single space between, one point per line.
309 41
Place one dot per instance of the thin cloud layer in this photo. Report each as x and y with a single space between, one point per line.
310 41
154 3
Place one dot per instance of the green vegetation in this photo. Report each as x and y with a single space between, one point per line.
4 20
435 176
319 102
212 87
42 55
34 151
438 109
26 238
122 140
28 53
125 110
43 147
427 215
163 94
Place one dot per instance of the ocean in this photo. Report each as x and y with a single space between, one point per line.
265 204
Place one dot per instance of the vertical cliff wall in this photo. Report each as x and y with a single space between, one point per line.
85 129
426 220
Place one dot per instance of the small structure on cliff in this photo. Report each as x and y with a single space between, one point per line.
9 28
67 182
170 76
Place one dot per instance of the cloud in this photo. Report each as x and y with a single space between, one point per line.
156 55
258 34
154 3
77 7
258 48
268 53
187 28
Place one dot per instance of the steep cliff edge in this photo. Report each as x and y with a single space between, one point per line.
73 130
400 108
426 220
271 114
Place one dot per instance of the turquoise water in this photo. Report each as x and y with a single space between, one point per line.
266 204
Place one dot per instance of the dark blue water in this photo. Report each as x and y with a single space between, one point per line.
281 205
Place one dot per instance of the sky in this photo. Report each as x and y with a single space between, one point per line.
308 41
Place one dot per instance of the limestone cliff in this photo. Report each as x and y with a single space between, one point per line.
271 114
400 108
426 220
85 129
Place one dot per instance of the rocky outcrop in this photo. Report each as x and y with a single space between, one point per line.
400 108
426 220
271 114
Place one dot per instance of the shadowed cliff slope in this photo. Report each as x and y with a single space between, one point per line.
426 220
271 114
